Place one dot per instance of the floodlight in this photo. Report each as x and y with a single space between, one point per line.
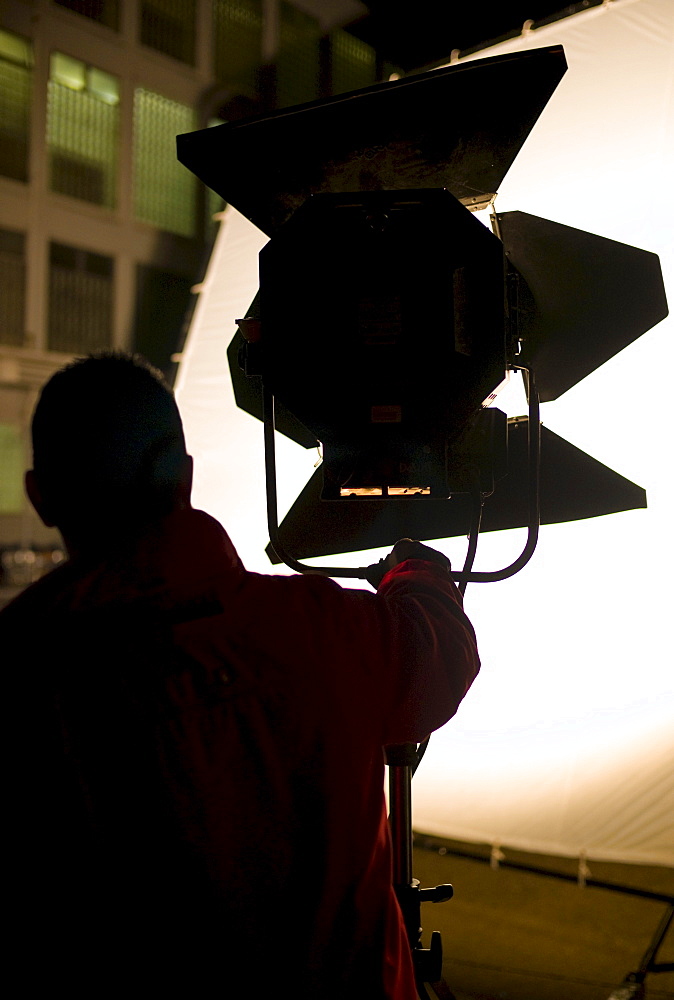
389 316
384 332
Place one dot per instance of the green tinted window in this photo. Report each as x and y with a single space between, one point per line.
162 301
103 85
81 290
214 202
69 72
237 40
12 465
164 191
16 49
104 11
169 26
353 63
16 78
12 287
82 130
298 64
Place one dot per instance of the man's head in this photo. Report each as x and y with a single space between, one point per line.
108 450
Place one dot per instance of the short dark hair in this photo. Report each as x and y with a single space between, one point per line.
108 441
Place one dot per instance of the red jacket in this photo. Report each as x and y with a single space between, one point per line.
198 755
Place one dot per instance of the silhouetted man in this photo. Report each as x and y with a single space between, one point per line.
197 798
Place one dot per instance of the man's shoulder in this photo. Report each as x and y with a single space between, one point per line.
38 597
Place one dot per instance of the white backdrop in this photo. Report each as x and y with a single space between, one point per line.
565 744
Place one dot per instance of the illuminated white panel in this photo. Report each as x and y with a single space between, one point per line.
226 443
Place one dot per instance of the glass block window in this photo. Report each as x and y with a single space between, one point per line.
82 130
214 202
12 463
353 63
16 78
104 11
169 26
81 289
237 41
162 302
12 287
164 191
298 62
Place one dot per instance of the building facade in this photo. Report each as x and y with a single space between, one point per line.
103 233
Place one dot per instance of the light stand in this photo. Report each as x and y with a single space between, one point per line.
633 986
402 760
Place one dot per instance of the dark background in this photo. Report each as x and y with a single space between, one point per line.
417 34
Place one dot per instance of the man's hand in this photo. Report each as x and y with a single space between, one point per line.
405 548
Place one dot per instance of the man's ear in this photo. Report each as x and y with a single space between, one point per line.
37 499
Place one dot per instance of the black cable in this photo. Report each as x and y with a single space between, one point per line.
473 535
534 455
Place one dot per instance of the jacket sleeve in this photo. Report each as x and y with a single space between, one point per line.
397 662
434 650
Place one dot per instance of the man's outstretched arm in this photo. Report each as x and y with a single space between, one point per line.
436 648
